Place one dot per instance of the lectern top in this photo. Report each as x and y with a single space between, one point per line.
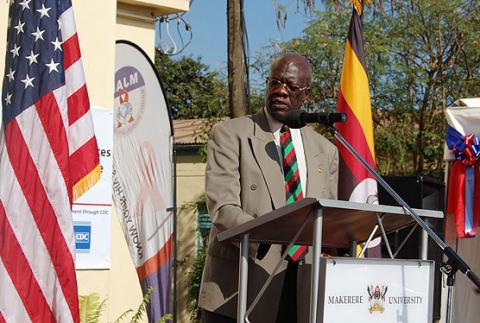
343 222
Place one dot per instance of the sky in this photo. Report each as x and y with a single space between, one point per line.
208 19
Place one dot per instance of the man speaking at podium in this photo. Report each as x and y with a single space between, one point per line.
255 165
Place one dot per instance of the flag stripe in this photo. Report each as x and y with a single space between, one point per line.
355 39
348 180
28 236
21 275
355 91
79 104
11 306
67 22
41 149
353 133
71 47
43 213
51 119
78 135
74 78
85 159
61 98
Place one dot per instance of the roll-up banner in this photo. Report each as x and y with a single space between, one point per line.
143 169
92 211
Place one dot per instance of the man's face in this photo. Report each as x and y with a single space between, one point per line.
288 85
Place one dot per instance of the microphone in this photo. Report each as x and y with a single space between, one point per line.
299 118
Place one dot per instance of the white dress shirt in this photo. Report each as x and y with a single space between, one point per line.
297 142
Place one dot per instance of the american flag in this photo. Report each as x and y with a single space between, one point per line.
48 157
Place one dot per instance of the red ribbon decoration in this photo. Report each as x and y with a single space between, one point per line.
457 200
457 196
469 156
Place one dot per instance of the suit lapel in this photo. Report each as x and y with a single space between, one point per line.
266 155
316 165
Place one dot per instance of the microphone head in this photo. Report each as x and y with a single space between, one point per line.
340 117
293 119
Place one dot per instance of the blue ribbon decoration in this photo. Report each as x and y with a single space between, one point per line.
466 148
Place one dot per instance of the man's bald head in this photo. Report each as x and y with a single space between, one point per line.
288 85
297 62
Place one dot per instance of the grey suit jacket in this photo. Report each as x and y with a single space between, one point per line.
244 180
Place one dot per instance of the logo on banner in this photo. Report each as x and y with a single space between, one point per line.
83 231
376 297
129 98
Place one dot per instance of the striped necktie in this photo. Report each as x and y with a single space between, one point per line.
293 186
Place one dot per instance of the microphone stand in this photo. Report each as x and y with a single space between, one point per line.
454 263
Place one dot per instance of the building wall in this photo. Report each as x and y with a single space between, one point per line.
119 285
96 25
190 186
136 30
96 32
3 37
3 40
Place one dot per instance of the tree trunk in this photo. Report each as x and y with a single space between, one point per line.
237 94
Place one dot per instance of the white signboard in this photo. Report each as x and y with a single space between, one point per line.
376 290
92 211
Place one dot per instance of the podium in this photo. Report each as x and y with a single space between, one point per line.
317 223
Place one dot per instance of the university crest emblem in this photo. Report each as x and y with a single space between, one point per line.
376 297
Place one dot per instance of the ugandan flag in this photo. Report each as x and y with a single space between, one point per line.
355 183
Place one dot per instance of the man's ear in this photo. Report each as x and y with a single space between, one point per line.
307 95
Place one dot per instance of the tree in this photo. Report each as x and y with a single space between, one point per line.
192 90
240 99
421 56
237 68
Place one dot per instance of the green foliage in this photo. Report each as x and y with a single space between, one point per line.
91 308
123 316
421 56
142 308
192 90
195 273
194 280
166 318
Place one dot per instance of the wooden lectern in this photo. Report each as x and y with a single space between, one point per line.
314 222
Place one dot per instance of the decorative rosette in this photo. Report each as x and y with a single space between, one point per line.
466 148
464 182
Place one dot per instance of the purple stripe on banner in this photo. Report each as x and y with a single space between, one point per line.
160 281
469 187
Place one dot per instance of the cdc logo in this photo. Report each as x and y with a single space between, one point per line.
83 230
